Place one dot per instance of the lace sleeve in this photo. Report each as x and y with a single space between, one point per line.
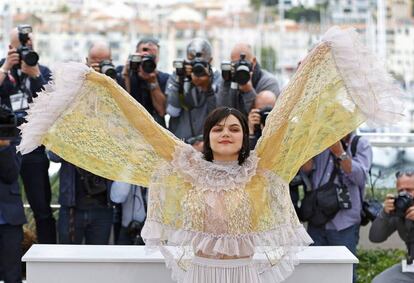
338 86
88 120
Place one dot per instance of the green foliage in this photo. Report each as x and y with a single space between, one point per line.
302 14
373 262
256 4
379 193
268 59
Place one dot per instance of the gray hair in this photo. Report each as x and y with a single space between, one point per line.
201 47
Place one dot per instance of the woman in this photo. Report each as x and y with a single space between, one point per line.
210 213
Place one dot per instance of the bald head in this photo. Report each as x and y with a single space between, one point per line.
98 52
264 98
14 39
242 48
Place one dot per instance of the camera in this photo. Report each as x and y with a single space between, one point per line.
9 121
238 71
26 53
264 112
134 232
194 140
402 202
147 62
179 66
199 65
106 67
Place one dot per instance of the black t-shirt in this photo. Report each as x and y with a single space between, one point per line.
140 91
83 199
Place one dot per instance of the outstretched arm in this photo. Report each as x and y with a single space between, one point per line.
338 86
91 122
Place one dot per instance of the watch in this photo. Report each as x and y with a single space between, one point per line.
3 70
343 156
153 86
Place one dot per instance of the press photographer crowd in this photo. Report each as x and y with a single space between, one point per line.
93 208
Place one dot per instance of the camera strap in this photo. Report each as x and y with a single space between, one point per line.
354 145
143 192
333 174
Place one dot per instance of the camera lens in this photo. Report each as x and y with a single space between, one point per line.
264 112
148 64
108 69
402 202
242 75
199 70
28 56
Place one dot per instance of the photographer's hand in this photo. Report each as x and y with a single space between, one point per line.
203 82
188 70
253 119
95 66
158 98
125 76
12 59
337 150
409 214
149 77
31 71
389 204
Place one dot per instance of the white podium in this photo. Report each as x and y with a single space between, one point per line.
131 264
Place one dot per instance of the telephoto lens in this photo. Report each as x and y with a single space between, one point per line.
199 65
148 63
108 68
402 202
242 69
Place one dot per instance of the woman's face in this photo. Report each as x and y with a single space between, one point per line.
226 139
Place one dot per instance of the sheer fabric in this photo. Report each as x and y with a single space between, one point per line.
218 210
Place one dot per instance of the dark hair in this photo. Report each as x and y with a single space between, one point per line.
150 40
405 172
215 117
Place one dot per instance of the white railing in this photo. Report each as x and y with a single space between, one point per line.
131 264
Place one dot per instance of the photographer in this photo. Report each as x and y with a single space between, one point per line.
100 59
134 210
85 214
397 215
11 214
143 81
244 79
191 90
21 78
263 104
332 206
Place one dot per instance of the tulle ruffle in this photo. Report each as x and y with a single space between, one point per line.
155 233
207 175
367 81
280 247
49 105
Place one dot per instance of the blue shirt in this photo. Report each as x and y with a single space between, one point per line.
2 220
133 199
354 181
